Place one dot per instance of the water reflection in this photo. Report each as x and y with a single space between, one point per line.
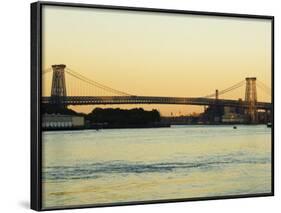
89 167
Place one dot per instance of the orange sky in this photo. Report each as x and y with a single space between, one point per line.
157 54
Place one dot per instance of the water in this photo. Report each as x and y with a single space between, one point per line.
123 165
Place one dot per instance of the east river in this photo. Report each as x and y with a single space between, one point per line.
124 165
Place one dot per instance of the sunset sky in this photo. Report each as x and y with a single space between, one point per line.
157 54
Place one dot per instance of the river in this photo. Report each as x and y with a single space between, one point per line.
124 165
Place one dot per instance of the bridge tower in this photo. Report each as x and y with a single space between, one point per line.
217 94
251 99
58 90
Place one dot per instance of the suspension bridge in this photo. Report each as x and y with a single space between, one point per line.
89 92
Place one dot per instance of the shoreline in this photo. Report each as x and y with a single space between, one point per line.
141 126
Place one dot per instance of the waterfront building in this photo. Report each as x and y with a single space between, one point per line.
58 121
231 116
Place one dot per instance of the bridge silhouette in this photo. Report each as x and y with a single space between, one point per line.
89 95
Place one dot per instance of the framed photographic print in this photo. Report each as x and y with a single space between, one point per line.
140 105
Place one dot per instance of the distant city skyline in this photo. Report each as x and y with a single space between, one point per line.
157 54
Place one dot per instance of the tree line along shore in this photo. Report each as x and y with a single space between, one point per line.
100 118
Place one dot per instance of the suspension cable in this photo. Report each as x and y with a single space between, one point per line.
233 87
264 87
94 83
45 71
265 90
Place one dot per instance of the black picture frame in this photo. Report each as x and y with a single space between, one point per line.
36 61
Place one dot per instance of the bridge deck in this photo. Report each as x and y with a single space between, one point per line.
105 100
